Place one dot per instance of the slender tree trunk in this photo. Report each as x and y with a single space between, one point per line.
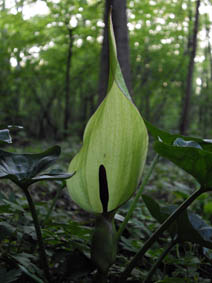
205 101
184 123
119 18
209 82
208 30
67 82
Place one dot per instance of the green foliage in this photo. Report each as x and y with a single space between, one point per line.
47 240
67 237
187 227
191 154
23 169
63 236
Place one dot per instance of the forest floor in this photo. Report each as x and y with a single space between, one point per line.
67 232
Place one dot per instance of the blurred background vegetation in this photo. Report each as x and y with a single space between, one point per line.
50 75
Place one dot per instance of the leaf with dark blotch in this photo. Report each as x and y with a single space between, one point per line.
5 136
25 169
188 226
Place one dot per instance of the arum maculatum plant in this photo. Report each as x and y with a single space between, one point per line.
24 170
110 163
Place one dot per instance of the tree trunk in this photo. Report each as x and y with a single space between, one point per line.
184 123
205 113
119 18
67 83
208 30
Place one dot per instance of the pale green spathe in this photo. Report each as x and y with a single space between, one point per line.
115 137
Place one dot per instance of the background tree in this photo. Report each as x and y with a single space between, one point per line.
192 53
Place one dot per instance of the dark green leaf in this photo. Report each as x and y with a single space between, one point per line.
159 213
188 226
23 169
153 207
195 161
194 155
169 139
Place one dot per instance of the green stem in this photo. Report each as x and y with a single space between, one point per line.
138 195
43 257
158 232
53 203
162 256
